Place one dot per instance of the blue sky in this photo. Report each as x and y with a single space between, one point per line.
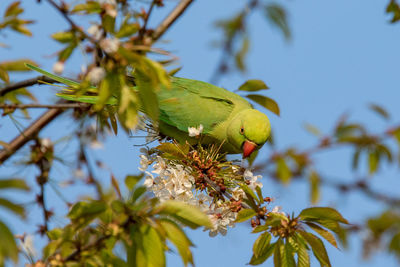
343 56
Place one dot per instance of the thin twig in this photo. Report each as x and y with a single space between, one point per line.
170 19
26 83
362 186
64 13
227 50
29 133
49 106
91 179
142 31
47 117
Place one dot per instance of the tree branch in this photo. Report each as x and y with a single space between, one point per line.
47 117
170 19
26 83
29 133
363 187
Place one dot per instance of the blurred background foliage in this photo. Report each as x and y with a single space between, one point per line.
117 38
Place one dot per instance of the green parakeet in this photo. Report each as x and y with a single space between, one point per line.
223 115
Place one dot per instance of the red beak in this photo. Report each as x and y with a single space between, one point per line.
248 148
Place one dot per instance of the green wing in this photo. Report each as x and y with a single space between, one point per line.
190 103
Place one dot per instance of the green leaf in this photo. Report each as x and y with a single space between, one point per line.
373 161
321 213
261 244
264 255
277 253
8 247
253 85
380 111
108 85
260 228
174 71
179 239
394 245
287 256
244 215
108 23
283 170
16 65
394 8
153 247
4 75
259 194
312 129
356 157
13 9
335 227
266 102
131 180
64 54
127 29
88 7
249 193
314 187
55 233
328 236
15 208
276 15
17 184
276 216
82 210
63 37
241 54
139 191
317 247
174 150
303 258
188 215
22 29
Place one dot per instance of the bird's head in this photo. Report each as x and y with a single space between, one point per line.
248 131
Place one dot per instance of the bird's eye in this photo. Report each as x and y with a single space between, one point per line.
241 130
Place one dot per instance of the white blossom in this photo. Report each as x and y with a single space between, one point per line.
96 144
28 246
193 131
110 2
95 31
149 180
112 12
96 75
144 163
221 218
238 193
203 201
277 209
171 181
58 67
110 45
79 173
248 175
160 166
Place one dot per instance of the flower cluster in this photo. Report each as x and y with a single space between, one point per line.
208 184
